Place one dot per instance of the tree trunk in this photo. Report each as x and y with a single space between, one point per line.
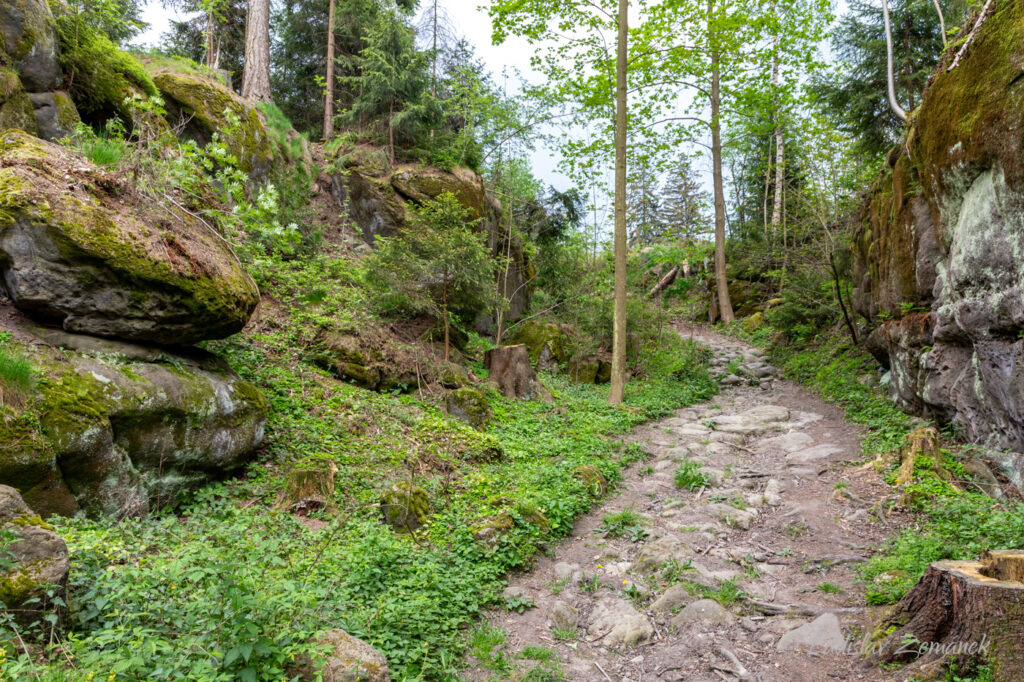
208 60
618 384
664 282
329 96
447 330
391 133
721 280
970 608
309 488
256 72
780 153
890 77
509 367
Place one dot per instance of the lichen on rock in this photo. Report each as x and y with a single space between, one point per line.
34 565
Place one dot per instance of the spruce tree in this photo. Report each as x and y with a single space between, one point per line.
643 217
684 203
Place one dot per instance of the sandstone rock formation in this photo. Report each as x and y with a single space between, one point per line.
125 428
348 659
99 259
376 197
940 244
35 562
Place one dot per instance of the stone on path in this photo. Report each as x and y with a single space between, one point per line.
754 421
673 597
822 633
563 616
732 517
706 611
789 442
615 622
812 454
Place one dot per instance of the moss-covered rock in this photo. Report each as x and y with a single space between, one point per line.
100 76
99 260
200 106
119 428
754 322
15 106
421 184
470 406
405 506
30 41
583 370
592 478
547 342
33 564
55 115
347 659
939 243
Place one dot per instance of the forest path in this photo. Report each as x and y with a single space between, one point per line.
786 515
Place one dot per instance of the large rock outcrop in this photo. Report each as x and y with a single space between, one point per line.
198 106
95 257
377 198
939 268
120 428
30 42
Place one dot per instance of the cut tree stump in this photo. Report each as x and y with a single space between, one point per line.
309 487
965 609
509 367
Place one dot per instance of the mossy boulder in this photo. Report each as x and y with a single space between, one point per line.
421 184
345 659
55 115
405 506
584 370
547 343
200 106
120 428
15 106
99 259
34 563
468 405
29 38
754 322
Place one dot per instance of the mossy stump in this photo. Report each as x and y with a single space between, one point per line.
965 609
309 487
405 506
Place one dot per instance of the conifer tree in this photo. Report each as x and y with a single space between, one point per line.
684 203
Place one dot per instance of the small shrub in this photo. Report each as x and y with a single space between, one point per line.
689 476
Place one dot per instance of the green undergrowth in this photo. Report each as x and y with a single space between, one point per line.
234 586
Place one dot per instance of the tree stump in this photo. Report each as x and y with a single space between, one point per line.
510 369
309 487
965 609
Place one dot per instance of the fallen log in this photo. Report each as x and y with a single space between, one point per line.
665 282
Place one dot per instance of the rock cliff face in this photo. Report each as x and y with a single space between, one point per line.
377 196
939 248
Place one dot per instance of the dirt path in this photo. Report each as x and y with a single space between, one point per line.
784 517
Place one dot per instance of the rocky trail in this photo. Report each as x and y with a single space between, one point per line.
750 575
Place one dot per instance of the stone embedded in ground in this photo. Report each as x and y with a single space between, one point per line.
821 634
655 554
788 442
705 611
754 421
617 622
562 616
35 561
348 659
812 454
732 517
565 571
673 597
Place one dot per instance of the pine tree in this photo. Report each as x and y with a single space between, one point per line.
643 217
684 203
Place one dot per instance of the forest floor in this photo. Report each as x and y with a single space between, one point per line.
759 501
